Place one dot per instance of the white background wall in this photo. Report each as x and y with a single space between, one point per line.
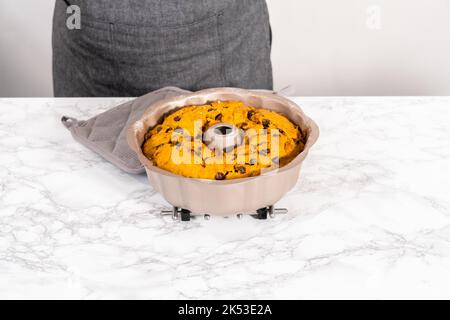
25 48
321 47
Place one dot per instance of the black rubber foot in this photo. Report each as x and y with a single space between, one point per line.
185 215
261 214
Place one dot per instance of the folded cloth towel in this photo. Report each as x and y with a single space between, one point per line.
106 133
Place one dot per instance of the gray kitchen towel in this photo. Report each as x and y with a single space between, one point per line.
106 133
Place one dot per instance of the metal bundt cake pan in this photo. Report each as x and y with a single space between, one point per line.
225 197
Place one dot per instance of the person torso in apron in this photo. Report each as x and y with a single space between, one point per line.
131 47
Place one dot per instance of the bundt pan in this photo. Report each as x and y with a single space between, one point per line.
226 197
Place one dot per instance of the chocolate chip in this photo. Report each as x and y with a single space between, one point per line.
265 123
219 176
243 125
240 169
211 109
250 114
205 126
218 117
281 131
177 118
158 129
168 129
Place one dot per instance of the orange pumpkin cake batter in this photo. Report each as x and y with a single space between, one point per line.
270 140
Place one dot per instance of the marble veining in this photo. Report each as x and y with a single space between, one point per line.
369 217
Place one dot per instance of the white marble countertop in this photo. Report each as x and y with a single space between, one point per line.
369 217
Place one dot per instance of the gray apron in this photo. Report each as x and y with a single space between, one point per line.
132 47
